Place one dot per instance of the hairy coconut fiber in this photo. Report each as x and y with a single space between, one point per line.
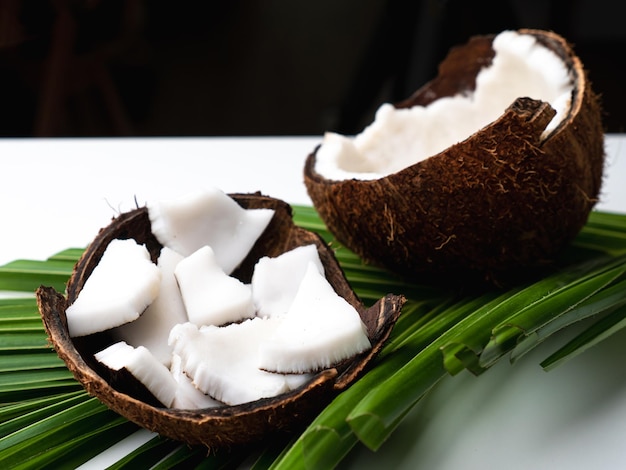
225 426
495 207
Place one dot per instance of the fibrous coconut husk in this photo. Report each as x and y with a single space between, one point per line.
495 208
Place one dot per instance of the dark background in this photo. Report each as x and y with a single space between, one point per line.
252 67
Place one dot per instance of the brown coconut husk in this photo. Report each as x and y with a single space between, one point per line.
225 426
495 208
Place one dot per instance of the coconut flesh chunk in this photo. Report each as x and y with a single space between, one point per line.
209 217
119 289
153 327
223 361
211 296
320 330
398 138
143 366
187 396
275 280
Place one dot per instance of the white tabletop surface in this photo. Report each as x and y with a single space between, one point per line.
57 193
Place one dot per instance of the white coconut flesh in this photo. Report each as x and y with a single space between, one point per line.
153 326
398 138
223 361
144 366
320 329
187 395
210 332
275 280
211 296
119 289
209 217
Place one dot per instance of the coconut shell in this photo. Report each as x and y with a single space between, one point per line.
497 207
225 426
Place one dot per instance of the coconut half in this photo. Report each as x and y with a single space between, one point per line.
222 426
483 174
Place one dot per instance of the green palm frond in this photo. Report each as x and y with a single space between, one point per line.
47 419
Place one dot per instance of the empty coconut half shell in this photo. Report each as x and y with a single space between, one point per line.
495 205
226 425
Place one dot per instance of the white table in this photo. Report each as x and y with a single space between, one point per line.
57 193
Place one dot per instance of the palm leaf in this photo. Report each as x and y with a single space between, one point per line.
47 420
27 275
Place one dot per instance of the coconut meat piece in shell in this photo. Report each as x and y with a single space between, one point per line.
275 280
208 217
123 284
188 396
211 296
141 363
400 137
320 330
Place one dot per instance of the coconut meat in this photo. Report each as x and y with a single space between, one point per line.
119 289
211 296
398 138
209 217
153 326
320 329
222 361
144 366
187 395
276 279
